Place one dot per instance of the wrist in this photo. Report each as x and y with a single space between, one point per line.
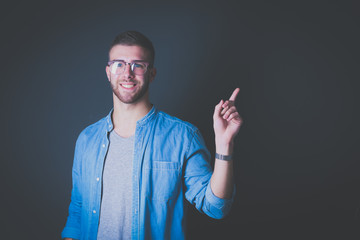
224 148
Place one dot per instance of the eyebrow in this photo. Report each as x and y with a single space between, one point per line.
131 61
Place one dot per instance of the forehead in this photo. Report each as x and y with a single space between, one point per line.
128 53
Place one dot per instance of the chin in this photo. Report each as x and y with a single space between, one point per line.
127 100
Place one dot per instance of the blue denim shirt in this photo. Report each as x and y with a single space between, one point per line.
171 163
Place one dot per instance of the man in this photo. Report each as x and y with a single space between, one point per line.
134 168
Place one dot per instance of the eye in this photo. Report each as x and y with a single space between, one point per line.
117 67
139 65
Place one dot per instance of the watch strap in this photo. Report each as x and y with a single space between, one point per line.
223 157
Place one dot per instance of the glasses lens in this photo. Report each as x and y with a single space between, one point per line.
117 67
139 68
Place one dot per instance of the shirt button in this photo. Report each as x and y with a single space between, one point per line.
97 179
103 145
94 211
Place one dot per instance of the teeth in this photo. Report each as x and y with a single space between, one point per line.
127 86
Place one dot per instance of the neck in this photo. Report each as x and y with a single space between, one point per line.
126 115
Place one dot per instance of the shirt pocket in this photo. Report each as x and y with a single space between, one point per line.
163 180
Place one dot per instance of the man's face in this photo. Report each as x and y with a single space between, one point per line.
128 87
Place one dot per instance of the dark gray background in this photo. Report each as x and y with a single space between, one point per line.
297 64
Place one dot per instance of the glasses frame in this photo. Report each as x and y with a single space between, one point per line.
147 64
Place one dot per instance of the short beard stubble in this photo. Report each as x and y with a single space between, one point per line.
115 88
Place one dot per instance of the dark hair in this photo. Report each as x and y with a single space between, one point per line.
134 38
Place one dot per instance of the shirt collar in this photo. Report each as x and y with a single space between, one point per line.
147 118
110 125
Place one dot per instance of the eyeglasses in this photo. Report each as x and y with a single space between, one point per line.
118 67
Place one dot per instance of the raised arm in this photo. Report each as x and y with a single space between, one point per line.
227 123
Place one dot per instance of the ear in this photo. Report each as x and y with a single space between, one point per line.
108 73
152 74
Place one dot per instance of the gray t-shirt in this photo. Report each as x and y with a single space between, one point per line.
115 213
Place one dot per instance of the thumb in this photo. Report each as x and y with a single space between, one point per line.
217 111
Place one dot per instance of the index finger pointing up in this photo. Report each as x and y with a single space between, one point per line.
234 94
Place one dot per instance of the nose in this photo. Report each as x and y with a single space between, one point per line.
128 73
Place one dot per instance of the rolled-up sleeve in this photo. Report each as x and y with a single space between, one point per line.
197 175
216 206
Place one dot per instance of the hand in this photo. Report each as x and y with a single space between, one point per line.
227 121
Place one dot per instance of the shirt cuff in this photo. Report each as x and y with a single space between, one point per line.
218 205
70 232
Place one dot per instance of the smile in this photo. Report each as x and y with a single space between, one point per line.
128 86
